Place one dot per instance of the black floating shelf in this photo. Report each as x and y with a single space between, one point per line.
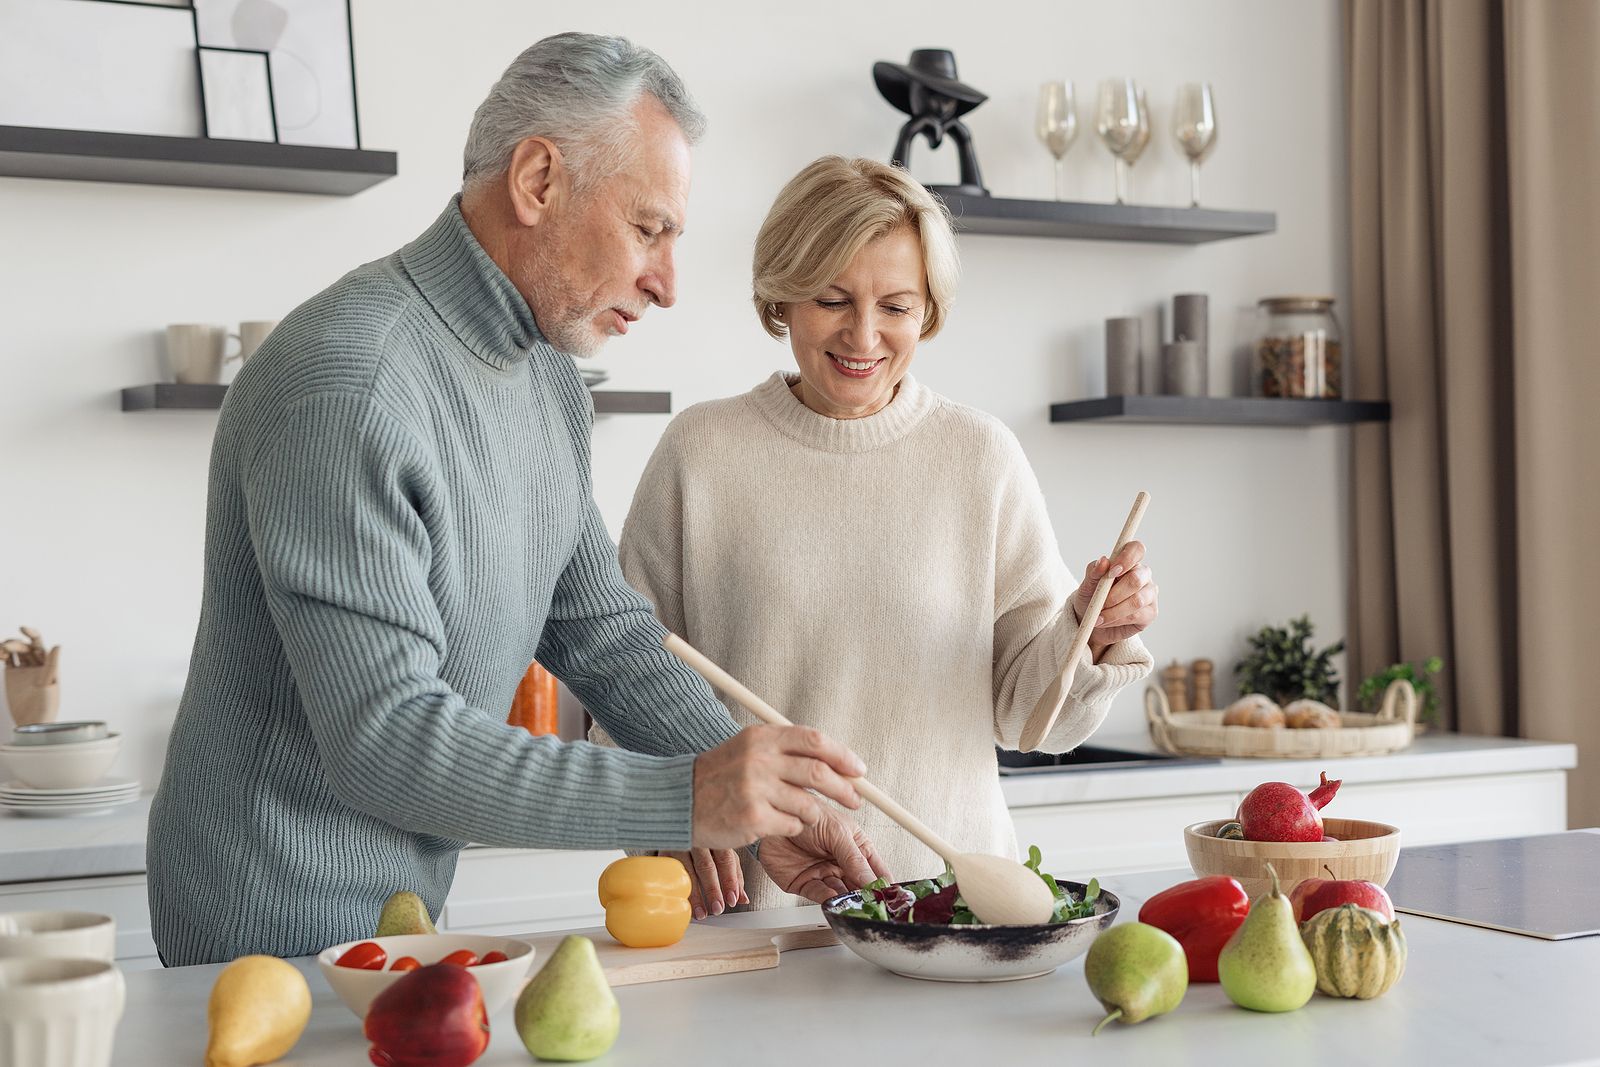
1220 411
210 163
171 396
1104 222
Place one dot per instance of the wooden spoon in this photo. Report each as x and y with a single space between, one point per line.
1000 891
1045 713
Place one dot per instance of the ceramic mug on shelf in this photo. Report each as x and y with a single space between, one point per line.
195 352
250 336
59 934
59 1012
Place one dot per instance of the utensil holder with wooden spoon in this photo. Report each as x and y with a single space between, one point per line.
32 694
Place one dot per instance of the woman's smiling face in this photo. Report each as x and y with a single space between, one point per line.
854 341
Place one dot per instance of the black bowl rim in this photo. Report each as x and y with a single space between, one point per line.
1107 904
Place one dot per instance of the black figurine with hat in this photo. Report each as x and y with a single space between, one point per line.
926 88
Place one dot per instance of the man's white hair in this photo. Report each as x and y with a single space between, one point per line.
578 90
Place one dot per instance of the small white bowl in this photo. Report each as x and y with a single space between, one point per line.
499 981
62 766
61 934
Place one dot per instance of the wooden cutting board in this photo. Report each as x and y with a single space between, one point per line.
704 950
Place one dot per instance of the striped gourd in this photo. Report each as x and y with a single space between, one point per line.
1357 951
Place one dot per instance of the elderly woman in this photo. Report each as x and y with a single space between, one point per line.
872 558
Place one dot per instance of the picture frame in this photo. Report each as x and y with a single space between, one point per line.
117 66
236 91
311 57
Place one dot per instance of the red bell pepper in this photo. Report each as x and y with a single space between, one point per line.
1202 915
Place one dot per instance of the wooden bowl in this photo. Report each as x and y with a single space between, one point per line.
1365 850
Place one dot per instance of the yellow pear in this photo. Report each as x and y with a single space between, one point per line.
259 1008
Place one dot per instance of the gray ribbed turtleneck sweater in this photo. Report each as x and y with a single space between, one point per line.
399 520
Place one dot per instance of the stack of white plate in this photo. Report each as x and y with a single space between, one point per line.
82 800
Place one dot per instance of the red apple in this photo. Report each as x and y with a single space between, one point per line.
1318 894
432 1017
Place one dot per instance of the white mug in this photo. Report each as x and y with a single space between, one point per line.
59 1013
194 352
61 934
250 336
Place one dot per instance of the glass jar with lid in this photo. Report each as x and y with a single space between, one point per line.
1298 348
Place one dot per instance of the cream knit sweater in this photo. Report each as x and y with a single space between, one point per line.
892 580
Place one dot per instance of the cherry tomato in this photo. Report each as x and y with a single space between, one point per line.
367 956
494 957
462 958
405 963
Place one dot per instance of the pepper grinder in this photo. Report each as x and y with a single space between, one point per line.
1175 681
1203 698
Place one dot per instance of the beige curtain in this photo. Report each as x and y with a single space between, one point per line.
1474 133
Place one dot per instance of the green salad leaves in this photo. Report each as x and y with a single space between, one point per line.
938 900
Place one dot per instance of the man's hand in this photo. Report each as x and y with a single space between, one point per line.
716 881
756 784
827 859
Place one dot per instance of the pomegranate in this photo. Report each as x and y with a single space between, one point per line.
1277 811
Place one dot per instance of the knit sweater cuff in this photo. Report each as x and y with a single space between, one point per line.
656 810
1120 665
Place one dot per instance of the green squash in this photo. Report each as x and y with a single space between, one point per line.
1358 953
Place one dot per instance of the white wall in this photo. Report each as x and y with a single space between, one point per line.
101 513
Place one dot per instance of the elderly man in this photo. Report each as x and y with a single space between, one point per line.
400 519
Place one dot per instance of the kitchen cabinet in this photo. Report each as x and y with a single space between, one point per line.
123 898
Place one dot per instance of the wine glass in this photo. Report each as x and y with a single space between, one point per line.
1057 124
1122 120
1194 123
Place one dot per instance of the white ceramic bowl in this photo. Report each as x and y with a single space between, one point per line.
61 934
499 981
970 953
58 1013
62 766
58 733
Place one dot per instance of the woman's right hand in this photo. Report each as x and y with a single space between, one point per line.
716 879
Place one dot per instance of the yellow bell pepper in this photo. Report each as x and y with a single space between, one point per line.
646 900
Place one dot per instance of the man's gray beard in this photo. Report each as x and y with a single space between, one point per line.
573 335
570 328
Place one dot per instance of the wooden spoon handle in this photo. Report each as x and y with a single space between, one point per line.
747 700
1046 711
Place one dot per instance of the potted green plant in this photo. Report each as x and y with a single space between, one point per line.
1283 664
1370 693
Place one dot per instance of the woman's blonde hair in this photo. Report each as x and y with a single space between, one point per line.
828 213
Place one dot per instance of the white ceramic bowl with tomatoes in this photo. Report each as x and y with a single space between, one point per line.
358 986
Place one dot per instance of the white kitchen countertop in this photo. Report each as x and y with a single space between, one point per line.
1433 755
34 849
1469 996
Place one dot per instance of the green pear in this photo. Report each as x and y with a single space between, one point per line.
568 1011
1136 971
1265 966
404 913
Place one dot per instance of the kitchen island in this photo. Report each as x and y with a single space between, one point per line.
1469 996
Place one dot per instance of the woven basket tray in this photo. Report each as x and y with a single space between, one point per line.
1201 733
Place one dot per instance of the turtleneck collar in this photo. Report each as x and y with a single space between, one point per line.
470 293
792 418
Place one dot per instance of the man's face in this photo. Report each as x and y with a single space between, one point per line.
606 255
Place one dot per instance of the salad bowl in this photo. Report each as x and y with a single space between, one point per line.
974 952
